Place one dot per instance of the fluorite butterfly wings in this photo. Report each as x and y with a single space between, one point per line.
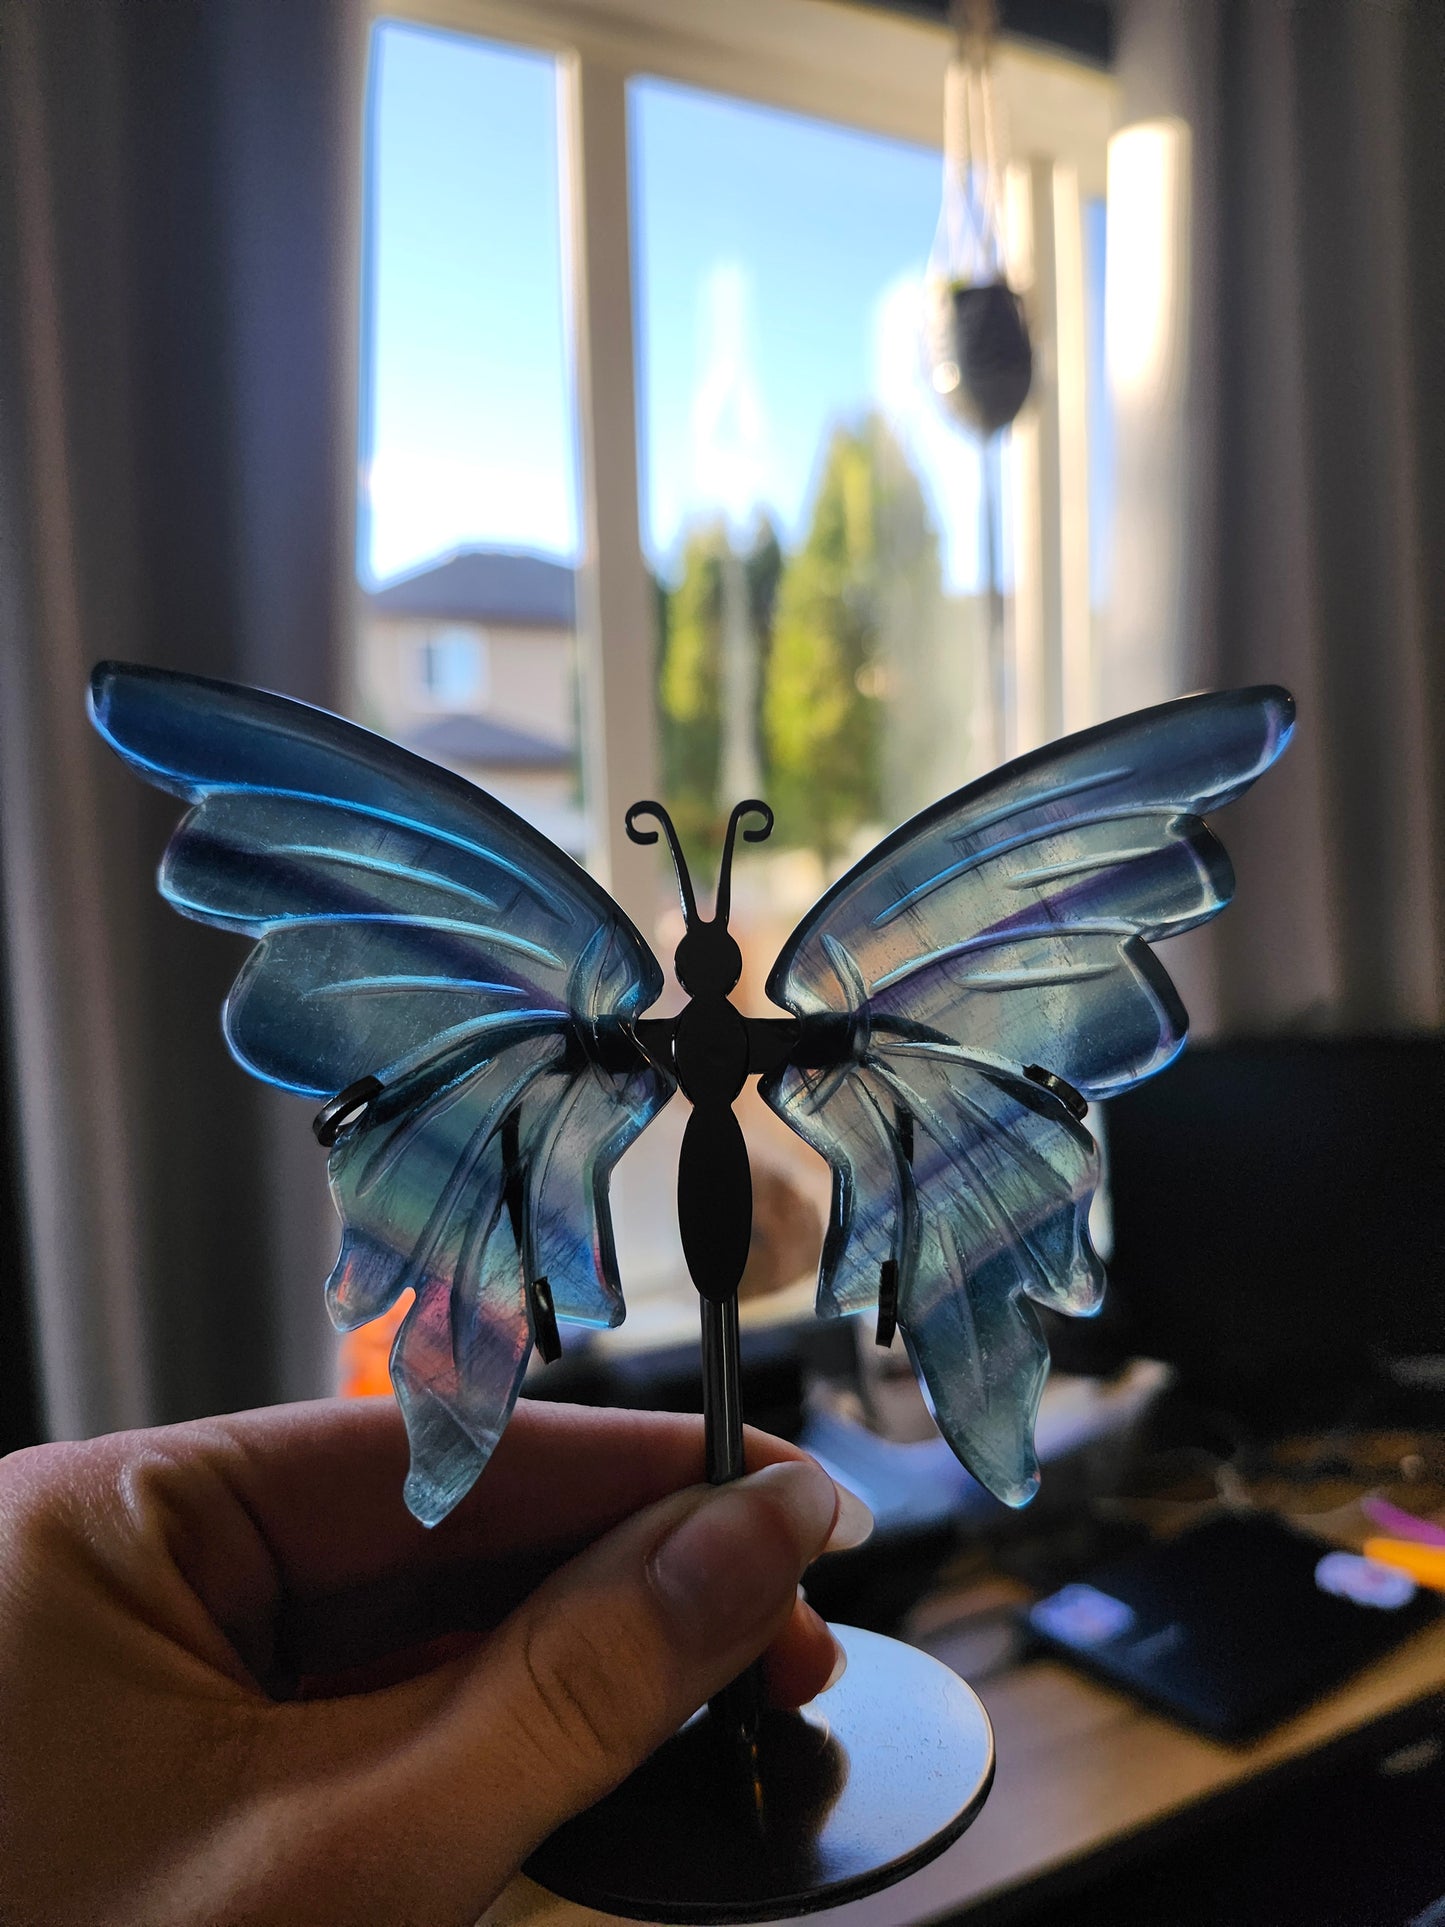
987 962
413 930
953 995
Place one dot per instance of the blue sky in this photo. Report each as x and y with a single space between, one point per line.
467 406
776 263
804 240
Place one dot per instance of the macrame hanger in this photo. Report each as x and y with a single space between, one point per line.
976 347
971 219
976 338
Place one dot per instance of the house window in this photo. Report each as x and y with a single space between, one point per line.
641 310
452 669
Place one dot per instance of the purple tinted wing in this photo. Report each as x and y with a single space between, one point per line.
1003 932
411 929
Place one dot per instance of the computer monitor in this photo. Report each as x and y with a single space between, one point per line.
1279 1230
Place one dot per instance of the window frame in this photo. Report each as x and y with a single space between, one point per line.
882 74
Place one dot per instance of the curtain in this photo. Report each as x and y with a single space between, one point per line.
1281 486
179 182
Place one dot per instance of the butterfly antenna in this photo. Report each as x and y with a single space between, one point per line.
679 861
753 807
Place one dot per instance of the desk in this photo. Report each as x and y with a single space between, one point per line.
1080 1769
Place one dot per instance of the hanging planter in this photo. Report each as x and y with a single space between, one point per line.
976 336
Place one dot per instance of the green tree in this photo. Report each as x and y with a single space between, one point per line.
869 552
688 692
764 564
690 672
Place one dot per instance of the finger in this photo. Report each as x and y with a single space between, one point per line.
585 1680
324 1480
289 1525
400 1623
804 1659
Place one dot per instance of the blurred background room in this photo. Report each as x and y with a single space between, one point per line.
549 385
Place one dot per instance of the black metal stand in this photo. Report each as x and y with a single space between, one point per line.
722 1398
738 1708
852 1793
750 1813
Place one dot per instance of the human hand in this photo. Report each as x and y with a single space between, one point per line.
239 1683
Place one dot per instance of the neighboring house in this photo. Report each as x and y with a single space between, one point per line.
472 661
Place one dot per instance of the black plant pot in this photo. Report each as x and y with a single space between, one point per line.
983 363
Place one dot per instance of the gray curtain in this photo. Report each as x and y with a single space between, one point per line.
178 206
1307 482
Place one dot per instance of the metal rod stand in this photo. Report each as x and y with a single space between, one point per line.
722 1403
738 1707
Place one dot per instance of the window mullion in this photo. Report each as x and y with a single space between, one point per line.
1033 641
1076 626
1052 657
615 618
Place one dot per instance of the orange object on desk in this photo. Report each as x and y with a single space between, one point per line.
1425 1564
364 1356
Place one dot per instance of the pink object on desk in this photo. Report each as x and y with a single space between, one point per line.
1404 1525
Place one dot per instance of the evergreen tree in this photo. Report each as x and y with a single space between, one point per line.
764 572
688 691
690 675
869 554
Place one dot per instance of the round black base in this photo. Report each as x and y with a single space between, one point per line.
852 1793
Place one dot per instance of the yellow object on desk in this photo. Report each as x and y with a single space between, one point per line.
1425 1564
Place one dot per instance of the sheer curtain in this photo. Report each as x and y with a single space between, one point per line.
1282 488
178 204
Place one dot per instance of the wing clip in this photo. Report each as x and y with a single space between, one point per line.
345 1111
887 1304
1074 1102
545 1334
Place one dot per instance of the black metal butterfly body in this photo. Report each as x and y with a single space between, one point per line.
712 1050
478 1002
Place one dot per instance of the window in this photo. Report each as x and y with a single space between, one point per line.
452 669
642 304
814 520
467 526
467 400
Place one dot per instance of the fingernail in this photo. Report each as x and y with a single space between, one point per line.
802 1491
840 1666
734 1562
853 1523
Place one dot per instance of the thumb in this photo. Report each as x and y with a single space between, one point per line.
586 1678
608 1658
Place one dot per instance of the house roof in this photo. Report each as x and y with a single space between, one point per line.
484 585
485 744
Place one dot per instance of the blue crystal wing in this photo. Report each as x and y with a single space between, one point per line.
976 1185
1016 914
1005 931
410 928
421 1185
